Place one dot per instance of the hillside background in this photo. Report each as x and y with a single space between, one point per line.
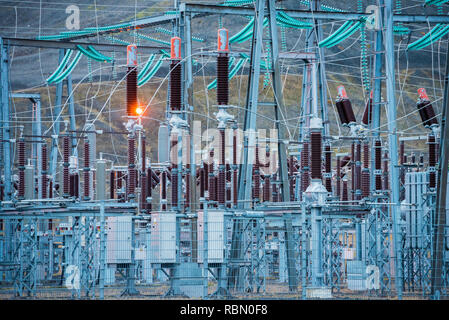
31 66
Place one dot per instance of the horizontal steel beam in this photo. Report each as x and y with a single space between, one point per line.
305 14
31 96
72 45
134 24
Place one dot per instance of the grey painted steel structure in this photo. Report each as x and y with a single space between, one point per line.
73 45
440 205
392 140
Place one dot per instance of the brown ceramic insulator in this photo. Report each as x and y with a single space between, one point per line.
432 160
437 152
426 113
211 184
50 189
327 158
175 85
44 181
266 188
206 176
86 169
349 113
368 112
365 155
72 185
119 180
112 185
378 163
174 187
432 119
413 158
422 113
131 91
50 224
215 189
234 148
65 170
315 146
131 168
202 182
77 185
221 175
327 165
187 195
221 188
401 152
164 188
235 187
143 177
21 167
228 172
344 193
143 191
341 112
338 178
353 174
291 170
149 185
432 179
222 79
386 172
305 160
256 176
365 184
365 173
143 155
432 150
228 197
358 168
377 154
222 146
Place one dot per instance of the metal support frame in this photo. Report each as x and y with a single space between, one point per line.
439 222
392 140
5 130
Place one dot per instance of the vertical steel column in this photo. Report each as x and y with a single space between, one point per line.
282 152
6 163
440 208
392 141
38 125
56 127
102 250
377 92
246 167
72 118
321 71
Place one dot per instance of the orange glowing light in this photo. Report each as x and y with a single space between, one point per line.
139 110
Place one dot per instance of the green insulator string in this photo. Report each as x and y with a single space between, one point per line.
266 79
398 10
359 6
440 9
283 39
364 61
114 70
220 22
